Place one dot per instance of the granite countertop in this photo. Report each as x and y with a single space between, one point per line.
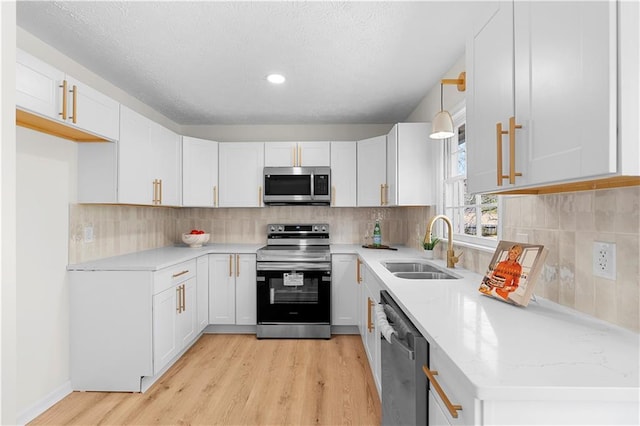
542 352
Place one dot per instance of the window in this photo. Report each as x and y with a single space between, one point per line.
475 217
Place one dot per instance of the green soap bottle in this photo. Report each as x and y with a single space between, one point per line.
377 235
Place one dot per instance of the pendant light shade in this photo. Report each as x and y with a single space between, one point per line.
442 126
443 122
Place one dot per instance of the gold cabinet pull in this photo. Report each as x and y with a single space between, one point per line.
180 273
382 194
294 155
453 408
358 275
259 196
155 191
370 304
215 196
64 100
386 194
230 262
237 265
159 191
499 133
299 156
74 117
178 304
184 298
512 149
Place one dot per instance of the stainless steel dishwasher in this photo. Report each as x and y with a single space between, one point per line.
404 385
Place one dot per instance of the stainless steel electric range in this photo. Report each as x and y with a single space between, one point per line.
294 282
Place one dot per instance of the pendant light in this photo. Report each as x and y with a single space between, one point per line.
443 122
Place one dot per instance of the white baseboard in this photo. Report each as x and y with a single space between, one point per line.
45 403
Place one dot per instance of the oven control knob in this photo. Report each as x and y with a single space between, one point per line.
273 229
315 228
280 228
324 229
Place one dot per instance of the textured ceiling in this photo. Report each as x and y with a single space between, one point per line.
202 63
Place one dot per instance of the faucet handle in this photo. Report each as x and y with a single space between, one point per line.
456 258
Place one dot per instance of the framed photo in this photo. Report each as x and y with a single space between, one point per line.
513 271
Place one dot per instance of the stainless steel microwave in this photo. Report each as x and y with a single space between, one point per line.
297 185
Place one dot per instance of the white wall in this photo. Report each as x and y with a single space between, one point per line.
46 185
7 214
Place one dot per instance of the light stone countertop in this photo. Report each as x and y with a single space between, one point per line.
542 352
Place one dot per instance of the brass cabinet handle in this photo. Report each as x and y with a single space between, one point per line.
155 191
237 265
74 117
370 304
358 275
178 304
215 196
64 100
180 273
386 194
230 262
160 191
259 196
453 409
299 156
184 298
294 155
499 133
382 194
512 149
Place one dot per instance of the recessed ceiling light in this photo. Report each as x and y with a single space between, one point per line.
275 78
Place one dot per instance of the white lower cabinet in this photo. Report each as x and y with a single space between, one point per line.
370 333
126 327
232 289
344 290
202 286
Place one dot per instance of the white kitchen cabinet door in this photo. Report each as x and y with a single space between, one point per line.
166 165
91 110
344 290
314 154
437 416
202 276
568 124
241 166
280 154
372 176
135 161
489 96
187 318
222 290
165 305
411 165
38 86
245 276
199 172
344 174
372 335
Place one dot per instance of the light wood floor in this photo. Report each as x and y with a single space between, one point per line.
240 380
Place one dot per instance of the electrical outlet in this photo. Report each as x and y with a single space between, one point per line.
88 234
604 260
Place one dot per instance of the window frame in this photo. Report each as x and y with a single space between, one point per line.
479 242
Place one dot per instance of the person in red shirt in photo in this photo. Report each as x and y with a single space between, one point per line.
506 276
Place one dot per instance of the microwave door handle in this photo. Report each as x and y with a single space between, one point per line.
313 190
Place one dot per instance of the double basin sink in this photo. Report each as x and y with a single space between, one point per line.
417 270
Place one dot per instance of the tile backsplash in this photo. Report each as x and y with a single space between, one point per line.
567 224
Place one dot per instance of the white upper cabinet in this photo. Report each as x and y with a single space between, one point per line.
411 165
240 176
199 172
541 95
343 174
50 93
296 154
372 175
149 162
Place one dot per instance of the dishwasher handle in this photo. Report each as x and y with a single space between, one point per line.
389 333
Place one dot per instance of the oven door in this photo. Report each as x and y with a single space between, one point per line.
293 292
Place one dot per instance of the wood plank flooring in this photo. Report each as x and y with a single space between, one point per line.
240 380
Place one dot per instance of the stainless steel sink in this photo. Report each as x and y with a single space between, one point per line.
425 276
417 270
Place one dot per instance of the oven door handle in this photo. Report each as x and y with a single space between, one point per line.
293 266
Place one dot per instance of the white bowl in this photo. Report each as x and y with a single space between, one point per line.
195 240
